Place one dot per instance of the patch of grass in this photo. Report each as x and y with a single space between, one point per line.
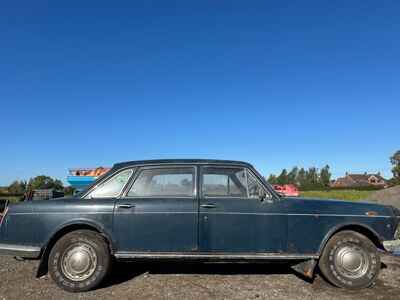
12 199
352 195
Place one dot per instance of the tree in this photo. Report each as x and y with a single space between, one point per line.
325 176
292 176
395 160
69 190
301 177
45 182
311 178
17 187
283 177
272 179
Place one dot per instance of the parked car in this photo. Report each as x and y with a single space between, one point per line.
204 210
289 190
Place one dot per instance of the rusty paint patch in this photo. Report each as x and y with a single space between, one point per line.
371 213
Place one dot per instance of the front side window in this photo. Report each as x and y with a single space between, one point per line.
255 188
164 182
112 187
224 182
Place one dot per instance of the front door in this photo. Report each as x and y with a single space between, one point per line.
234 218
158 212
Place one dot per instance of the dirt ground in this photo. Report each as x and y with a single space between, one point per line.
195 281
389 196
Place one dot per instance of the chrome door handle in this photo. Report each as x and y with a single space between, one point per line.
208 205
126 206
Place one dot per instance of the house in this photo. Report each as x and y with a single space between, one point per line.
360 180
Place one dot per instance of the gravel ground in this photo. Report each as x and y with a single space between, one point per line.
389 196
195 281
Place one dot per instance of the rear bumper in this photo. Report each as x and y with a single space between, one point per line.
392 247
20 250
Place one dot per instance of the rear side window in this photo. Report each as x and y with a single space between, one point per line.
224 182
164 182
113 186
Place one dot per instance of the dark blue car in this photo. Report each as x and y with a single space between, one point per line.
204 210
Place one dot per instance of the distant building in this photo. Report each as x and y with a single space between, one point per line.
360 180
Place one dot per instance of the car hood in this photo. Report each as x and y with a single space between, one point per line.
337 207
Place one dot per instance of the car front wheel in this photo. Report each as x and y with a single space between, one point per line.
79 261
350 260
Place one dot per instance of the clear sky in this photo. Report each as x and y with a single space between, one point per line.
89 83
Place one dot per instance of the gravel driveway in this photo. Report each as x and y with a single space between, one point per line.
195 281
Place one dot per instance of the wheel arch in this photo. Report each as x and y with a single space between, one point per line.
357 227
67 228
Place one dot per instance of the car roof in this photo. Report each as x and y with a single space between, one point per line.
180 161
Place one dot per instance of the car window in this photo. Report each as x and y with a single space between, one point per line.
254 187
164 182
113 186
224 182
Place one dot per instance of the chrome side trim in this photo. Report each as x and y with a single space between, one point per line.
20 250
195 212
62 213
212 256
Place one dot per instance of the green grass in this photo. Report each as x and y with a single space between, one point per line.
10 198
352 195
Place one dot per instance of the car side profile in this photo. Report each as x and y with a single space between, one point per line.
203 210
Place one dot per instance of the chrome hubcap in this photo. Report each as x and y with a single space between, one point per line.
79 262
352 261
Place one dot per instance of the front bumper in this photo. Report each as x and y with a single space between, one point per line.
20 250
392 247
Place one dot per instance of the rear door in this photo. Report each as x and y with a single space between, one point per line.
234 218
159 211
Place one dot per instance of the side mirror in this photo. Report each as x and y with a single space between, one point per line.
262 195
265 197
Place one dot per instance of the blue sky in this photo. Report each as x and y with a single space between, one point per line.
277 84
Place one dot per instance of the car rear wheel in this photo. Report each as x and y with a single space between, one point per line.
350 260
79 261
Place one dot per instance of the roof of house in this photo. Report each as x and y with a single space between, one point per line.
365 177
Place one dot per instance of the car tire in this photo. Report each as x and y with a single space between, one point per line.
350 260
79 261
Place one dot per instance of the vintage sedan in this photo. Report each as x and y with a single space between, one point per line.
204 210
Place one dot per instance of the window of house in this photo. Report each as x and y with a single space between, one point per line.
164 182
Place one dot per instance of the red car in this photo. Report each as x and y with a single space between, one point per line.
289 190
